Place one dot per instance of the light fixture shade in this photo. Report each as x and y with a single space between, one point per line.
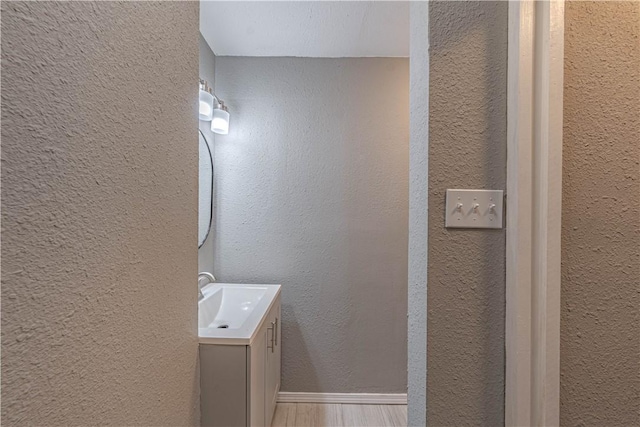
205 110
220 122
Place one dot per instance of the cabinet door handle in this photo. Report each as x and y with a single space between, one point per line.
276 330
270 346
272 336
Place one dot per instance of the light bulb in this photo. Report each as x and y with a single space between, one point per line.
220 122
205 110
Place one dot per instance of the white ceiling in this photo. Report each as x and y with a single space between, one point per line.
332 29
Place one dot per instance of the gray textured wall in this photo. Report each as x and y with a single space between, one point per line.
99 213
207 69
418 215
467 149
600 325
312 192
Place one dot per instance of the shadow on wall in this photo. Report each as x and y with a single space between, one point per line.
292 337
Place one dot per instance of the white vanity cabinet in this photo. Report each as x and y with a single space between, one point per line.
239 384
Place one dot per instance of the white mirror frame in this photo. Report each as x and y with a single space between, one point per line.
201 239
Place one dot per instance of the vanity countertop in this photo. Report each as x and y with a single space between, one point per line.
232 314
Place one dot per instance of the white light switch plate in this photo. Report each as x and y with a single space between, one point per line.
474 209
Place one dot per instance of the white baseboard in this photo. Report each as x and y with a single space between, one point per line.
354 398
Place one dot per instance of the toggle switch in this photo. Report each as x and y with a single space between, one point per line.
483 209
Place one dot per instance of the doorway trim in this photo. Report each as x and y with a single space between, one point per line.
534 197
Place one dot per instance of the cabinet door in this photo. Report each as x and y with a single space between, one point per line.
278 358
274 345
223 385
257 376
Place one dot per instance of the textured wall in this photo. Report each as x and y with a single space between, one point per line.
600 338
312 192
418 215
207 72
467 149
99 178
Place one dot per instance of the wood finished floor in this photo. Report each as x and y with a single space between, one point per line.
339 415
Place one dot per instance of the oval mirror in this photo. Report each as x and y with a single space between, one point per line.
205 190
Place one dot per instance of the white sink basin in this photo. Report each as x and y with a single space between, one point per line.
231 314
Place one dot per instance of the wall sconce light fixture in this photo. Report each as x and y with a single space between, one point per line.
205 110
220 122
211 108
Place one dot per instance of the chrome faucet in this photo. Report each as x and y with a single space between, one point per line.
209 279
